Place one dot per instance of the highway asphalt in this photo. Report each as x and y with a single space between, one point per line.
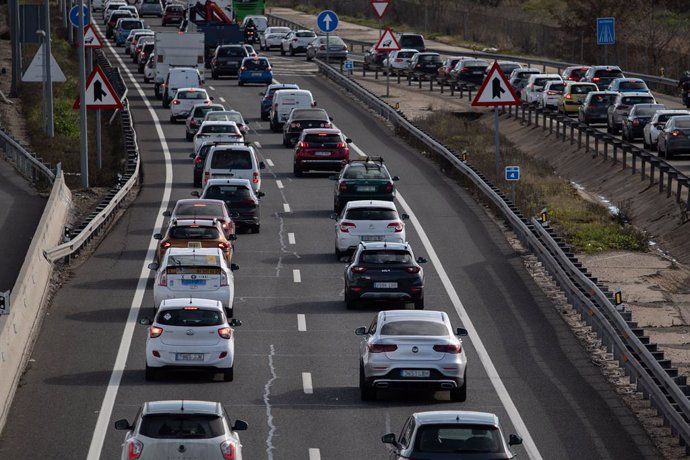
297 389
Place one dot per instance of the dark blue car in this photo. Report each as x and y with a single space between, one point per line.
255 70
268 97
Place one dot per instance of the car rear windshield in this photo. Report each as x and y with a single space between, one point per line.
371 214
602 99
279 30
256 64
608 73
411 41
667 116
361 172
578 72
633 85
231 159
129 25
194 233
181 426
227 192
385 256
683 124
322 138
458 439
191 260
632 100
582 89
647 111
508 68
408 54
220 129
557 87
199 209
474 63
148 47
174 9
190 317
233 51
200 112
541 81
191 95
414 327
309 114
305 34
429 58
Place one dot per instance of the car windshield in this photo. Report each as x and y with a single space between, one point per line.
227 192
322 138
385 256
458 439
190 317
256 64
415 327
194 233
185 426
371 214
632 100
220 129
191 260
191 95
632 85
305 34
362 172
231 159
199 209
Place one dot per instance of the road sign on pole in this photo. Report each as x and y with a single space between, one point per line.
327 21
380 7
74 15
387 42
4 303
91 38
512 173
495 91
99 92
606 31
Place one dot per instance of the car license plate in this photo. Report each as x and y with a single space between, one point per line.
194 282
385 285
366 188
372 238
194 244
257 74
322 154
415 373
189 356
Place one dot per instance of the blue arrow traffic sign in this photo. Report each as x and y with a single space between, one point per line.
512 173
327 21
74 16
606 31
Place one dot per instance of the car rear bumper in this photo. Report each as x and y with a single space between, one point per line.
333 164
211 354
392 379
343 199
678 145
348 243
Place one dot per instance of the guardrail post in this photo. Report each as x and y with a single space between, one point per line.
662 170
587 140
615 151
376 73
572 134
626 149
441 84
469 93
409 79
670 176
652 165
419 80
431 84
679 190
596 145
550 123
579 138
452 88
398 73
523 113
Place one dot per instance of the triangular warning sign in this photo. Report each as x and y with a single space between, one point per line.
496 90
35 70
387 42
91 38
99 92
379 7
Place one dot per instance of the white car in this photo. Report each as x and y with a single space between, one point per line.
194 272
367 220
296 41
181 429
185 99
551 95
217 131
228 115
399 60
134 37
190 333
531 93
412 349
651 130
150 68
272 37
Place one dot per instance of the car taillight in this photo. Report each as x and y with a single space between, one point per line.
340 145
225 332
248 201
166 244
596 79
294 39
346 226
397 60
412 269
676 133
358 269
228 450
224 245
552 93
163 281
388 188
176 102
303 145
223 279
193 123
396 226
134 448
243 68
255 178
464 70
455 348
155 331
568 96
636 122
207 102
381 348
342 187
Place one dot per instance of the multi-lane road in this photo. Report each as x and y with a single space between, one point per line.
296 369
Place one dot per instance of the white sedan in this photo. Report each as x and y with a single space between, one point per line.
194 272
190 333
217 131
185 99
367 220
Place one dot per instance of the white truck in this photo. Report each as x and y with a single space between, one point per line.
177 50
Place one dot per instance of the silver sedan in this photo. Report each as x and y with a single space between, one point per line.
412 349
334 46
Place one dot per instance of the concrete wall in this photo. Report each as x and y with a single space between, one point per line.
28 296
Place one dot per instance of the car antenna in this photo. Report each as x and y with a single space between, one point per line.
182 405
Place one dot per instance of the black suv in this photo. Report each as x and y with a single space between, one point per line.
227 60
408 40
427 63
301 119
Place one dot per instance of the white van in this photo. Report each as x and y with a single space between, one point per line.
233 161
179 77
284 100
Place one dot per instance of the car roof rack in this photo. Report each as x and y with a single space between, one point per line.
367 159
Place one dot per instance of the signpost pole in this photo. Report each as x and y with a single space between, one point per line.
84 146
98 139
512 189
49 78
388 78
328 48
498 143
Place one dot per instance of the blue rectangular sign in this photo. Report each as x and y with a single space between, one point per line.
348 65
512 173
606 31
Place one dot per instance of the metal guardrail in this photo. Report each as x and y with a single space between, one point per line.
106 210
640 359
26 162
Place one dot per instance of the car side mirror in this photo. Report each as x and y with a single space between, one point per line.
514 440
348 141
395 178
234 267
192 155
211 97
234 214
389 439
240 425
195 193
235 322
333 216
154 266
404 216
157 236
123 424
166 213
262 165
330 118
361 331
421 260
260 194
145 321
232 237
262 93
461 332
333 177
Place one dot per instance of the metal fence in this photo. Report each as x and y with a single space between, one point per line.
24 160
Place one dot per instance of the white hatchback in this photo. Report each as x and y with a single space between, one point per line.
368 220
185 99
532 92
194 272
217 131
190 333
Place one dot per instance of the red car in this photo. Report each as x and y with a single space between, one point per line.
320 149
173 14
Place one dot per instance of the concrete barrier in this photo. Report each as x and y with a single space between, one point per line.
19 328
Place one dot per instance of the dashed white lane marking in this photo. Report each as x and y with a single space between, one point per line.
269 162
286 207
306 383
210 87
301 322
291 238
314 454
296 276
222 99
279 183
257 144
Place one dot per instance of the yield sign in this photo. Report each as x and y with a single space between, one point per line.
387 42
379 7
496 90
99 92
91 38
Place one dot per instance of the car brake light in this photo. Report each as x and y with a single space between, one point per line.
455 348
397 60
224 245
303 145
155 331
340 145
225 332
388 188
166 244
568 96
346 226
464 70
596 79
343 187
636 122
397 226
381 348
325 125
243 68
255 178
359 269
551 93
134 449
676 133
228 450
223 279
412 269
176 102
163 280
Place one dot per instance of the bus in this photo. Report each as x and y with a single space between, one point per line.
242 8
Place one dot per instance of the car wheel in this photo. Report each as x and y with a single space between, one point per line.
264 117
229 374
146 80
366 392
166 104
309 58
652 147
157 91
292 51
214 76
350 303
151 373
460 394
296 171
282 50
189 137
644 143
196 182
229 312
285 142
239 82
173 119
419 304
256 228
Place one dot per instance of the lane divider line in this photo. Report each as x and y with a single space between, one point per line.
269 162
286 207
314 454
222 99
279 183
296 276
306 383
210 87
291 238
301 322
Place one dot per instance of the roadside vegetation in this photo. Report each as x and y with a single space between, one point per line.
587 226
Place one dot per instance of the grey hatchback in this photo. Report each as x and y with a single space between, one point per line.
150 8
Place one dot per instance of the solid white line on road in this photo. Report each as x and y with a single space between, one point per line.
222 99
279 183
296 276
314 454
286 207
269 162
291 238
210 87
306 383
106 410
267 402
301 322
